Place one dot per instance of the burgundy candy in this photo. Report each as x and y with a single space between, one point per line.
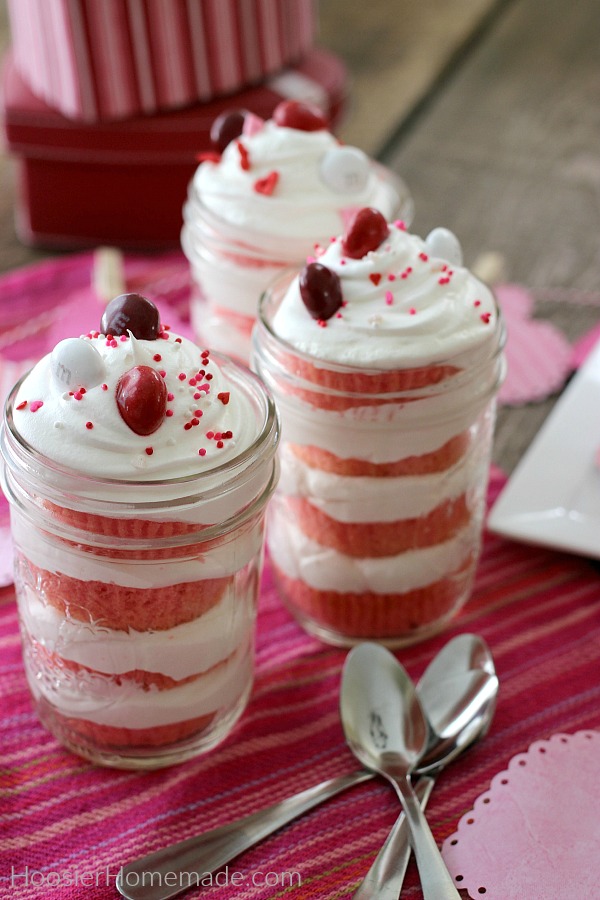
131 312
226 127
321 291
142 399
302 116
366 231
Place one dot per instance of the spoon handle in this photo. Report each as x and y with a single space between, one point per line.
436 881
174 869
385 878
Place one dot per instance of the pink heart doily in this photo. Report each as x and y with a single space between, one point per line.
539 357
536 832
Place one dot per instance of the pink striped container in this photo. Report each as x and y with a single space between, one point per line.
97 60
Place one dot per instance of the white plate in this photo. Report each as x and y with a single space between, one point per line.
553 497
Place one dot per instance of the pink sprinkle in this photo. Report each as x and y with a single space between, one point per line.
339 315
163 336
218 436
210 435
202 451
113 343
310 259
485 318
477 303
192 381
321 323
444 280
169 413
124 337
412 311
170 396
197 395
182 376
78 395
391 277
342 262
162 373
423 257
104 387
400 224
389 298
89 424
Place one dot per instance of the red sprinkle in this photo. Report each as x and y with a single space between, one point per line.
219 444
104 387
391 277
195 421
375 277
169 413
485 318
187 426
423 256
223 397
444 280
244 156
202 451
149 451
267 184
157 357
210 435
162 373
170 396
182 376
89 424
208 377
208 156
22 404
199 413
477 303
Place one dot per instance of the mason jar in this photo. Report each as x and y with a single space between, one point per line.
137 599
231 265
374 531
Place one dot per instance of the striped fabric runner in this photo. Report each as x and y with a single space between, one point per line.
103 59
66 823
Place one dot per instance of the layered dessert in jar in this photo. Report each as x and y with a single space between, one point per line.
137 467
385 356
257 206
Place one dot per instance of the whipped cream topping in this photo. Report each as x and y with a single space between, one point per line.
402 308
78 424
296 168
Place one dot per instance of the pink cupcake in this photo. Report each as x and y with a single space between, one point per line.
384 355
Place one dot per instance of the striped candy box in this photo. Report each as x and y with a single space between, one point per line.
95 60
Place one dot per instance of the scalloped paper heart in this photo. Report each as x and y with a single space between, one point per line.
536 832
539 357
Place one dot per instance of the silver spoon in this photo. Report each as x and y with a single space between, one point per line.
191 859
385 878
374 685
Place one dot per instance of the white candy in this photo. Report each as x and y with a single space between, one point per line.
443 244
345 169
76 363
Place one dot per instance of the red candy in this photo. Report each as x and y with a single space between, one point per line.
366 231
321 291
302 116
142 399
226 127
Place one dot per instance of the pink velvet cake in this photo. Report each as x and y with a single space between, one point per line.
384 355
138 468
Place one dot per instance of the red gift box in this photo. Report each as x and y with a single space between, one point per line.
108 59
124 183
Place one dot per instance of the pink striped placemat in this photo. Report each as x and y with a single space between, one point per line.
67 823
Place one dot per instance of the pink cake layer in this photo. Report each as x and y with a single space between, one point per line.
121 607
380 539
369 615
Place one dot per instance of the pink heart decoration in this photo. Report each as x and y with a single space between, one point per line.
539 357
536 832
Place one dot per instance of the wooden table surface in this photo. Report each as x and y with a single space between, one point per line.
490 110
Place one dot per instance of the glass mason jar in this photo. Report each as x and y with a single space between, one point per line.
137 600
374 531
232 266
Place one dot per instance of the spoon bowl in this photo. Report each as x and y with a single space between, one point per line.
388 732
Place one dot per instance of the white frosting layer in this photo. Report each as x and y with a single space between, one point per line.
402 309
46 553
303 205
367 499
178 652
127 705
323 568
110 449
